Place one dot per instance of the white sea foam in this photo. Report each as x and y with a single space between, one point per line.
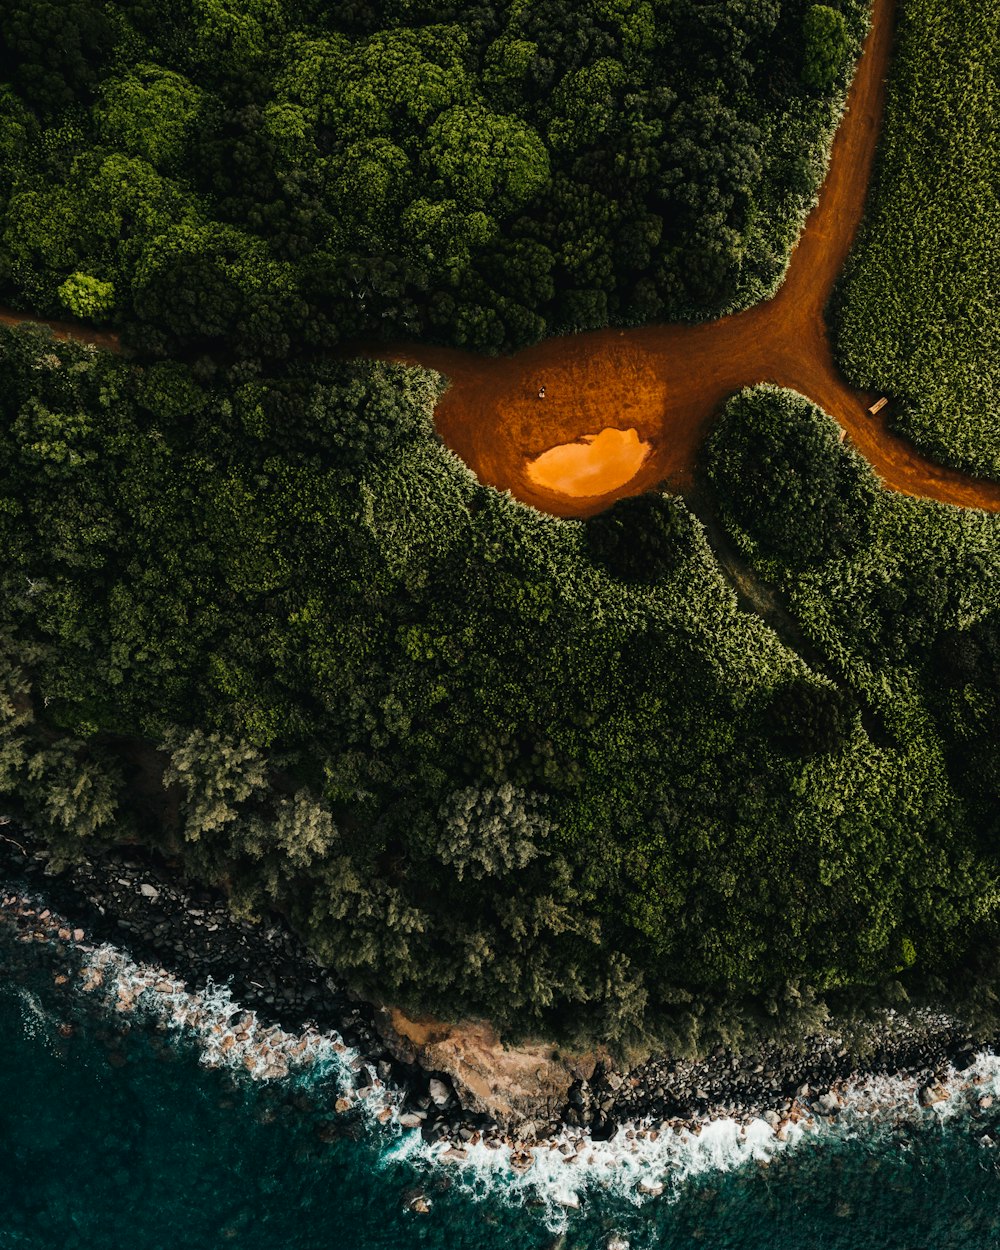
641 1163
226 1034
638 1164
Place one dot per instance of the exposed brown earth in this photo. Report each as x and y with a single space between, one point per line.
508 1083
667 382
110 340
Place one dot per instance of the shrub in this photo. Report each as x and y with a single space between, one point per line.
827 47
776 464
642 539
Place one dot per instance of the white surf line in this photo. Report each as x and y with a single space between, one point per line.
641 1162
226 1034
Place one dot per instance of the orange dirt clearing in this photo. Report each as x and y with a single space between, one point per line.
667 382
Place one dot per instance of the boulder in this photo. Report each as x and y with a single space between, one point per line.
932 1093
149 891
439 1092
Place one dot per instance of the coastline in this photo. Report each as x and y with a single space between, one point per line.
260 1003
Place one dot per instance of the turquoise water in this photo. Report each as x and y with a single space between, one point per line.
116 1136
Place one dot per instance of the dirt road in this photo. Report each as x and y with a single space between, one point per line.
75 330
667 381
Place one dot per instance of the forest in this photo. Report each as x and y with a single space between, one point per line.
256 617
486 759
262 178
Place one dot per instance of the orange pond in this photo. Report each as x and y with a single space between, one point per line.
593 464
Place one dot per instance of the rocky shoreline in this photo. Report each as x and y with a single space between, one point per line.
126 899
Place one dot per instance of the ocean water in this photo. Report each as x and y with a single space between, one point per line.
117 1131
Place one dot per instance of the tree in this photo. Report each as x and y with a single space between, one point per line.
71 788
17 130
641 539
214 777
805 718
484 160
87 297
396 82
53 50
151 113
232 35
777 463
490 832
210 280
827 47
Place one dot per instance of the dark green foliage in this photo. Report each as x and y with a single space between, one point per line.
641 539
477 772
916 314
967 694
907 619
805 719
273 175
784 478
827 46
54 51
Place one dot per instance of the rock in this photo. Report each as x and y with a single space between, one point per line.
342 1105
651 1189
932 1093
455 1154
439 1092
149 891
614 1081
410 1120
828 1104
772 1118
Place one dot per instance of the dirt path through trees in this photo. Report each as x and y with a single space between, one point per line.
663 384
666 382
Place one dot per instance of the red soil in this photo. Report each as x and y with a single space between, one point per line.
668 381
